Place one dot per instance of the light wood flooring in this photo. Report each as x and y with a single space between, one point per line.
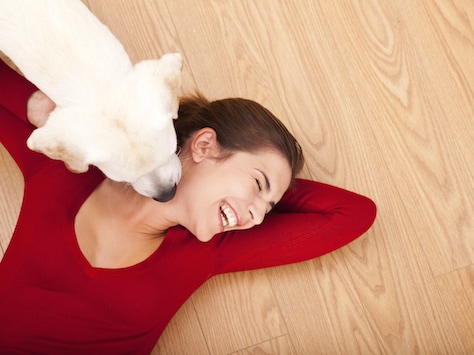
380 94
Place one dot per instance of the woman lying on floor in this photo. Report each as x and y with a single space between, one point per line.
95 267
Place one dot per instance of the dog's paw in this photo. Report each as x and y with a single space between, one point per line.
55 146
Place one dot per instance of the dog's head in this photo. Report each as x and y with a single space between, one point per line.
150 97
127 133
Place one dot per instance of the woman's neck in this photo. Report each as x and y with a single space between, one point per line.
116 227
139 214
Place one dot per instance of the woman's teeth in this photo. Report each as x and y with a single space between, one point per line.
228 217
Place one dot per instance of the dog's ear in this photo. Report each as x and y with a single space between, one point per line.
172 65
55 145
166 70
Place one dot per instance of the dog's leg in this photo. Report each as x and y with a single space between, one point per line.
68 145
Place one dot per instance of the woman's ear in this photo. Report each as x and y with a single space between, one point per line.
204 145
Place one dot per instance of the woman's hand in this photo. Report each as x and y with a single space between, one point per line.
38 108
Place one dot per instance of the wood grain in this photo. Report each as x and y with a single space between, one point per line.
458 288
11 194
244 312
380 95
279 345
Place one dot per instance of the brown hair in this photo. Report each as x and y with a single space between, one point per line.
240 125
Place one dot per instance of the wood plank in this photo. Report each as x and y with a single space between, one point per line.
401 299
442 35
380 95
322 309
11 194
183 334
458 289
221 49
237 311
280 346
145 29
428 158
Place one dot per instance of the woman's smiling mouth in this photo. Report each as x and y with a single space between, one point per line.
228 217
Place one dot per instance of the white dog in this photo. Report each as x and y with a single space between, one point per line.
109 113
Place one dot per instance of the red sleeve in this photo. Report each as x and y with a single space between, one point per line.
14 127
312 219
14 91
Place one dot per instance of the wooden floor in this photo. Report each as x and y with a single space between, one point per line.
380 94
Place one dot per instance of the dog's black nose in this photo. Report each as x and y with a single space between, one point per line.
166 195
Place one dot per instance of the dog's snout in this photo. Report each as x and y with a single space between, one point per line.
166 195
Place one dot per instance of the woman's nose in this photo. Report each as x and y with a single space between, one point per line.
257 211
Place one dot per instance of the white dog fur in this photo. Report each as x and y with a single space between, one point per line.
109 113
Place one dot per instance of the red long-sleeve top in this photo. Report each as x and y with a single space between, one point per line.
53 301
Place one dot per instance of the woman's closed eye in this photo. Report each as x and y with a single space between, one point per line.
259 186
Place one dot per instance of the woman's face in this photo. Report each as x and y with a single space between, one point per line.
217 195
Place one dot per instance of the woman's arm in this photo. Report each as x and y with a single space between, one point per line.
311 220
14 91
15 129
